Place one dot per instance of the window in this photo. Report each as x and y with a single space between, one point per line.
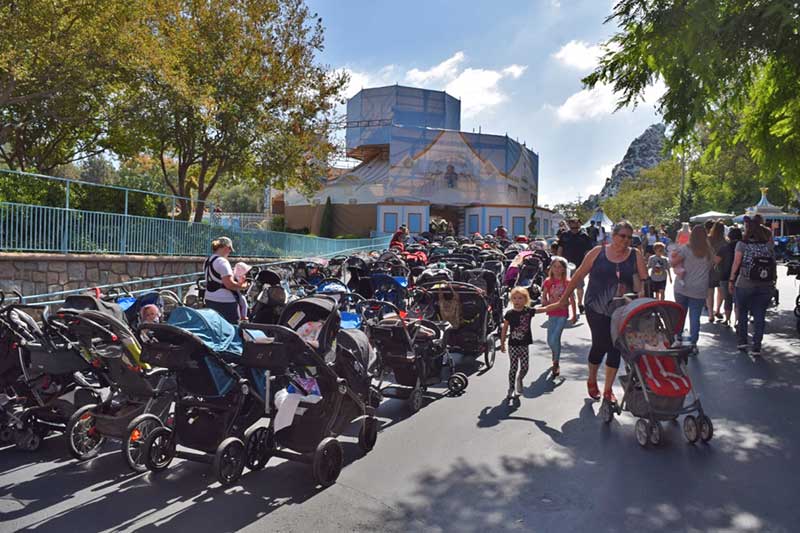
389 222
518 226
473 224
414 222
494 222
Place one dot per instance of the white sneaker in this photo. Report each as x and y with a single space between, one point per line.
510 393
519 386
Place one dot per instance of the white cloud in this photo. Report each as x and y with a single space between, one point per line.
598 180
579 55
387 75
515 71
601 101
446 70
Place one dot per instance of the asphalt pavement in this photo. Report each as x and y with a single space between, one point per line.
476 463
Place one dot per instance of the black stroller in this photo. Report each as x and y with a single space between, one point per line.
272 296
656 381
140 398
317 384
216 401
43 377
474 334
414 351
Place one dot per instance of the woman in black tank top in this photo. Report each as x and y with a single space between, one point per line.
611 271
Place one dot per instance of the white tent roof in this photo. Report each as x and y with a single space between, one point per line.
600 219
709 215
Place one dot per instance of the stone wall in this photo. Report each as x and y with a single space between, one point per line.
44 273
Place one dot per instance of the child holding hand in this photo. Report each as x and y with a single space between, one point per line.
517 329
552 290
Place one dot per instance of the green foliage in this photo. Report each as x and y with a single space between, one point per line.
60 62
573 209
239 199
716 59
278 223
326 224
532 222
653 196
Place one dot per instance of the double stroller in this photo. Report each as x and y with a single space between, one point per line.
139 399
413 350
43 377
656 382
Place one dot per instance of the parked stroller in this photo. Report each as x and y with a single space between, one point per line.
273 293
390 288
140 398
318 384
42 378
656 381
414 351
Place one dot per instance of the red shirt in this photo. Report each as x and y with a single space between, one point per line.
554 288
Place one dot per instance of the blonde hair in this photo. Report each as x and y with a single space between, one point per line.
523 291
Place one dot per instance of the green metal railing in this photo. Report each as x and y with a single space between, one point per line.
45 228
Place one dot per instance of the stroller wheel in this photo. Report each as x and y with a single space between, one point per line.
415 399
28 440
6 434
606 412
83 439
135 436
257 448
457 383
229 460
690 430
655 433
490 352
706 428
642 432
159 449
368 434
327 462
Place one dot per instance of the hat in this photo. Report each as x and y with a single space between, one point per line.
225 241
241 269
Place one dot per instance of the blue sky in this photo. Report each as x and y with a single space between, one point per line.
516 65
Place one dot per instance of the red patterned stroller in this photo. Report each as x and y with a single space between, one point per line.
656 381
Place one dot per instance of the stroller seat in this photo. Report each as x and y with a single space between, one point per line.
663 376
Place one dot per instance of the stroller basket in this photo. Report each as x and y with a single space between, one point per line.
638 405
58 362
170 347
274 348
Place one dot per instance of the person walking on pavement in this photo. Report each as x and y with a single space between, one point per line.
716 238
693 261
573 246
222 291
517 329
552 289
612 270
724 261
592 232
753 277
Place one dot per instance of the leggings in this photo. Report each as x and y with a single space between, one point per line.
555 326
518 356
600 326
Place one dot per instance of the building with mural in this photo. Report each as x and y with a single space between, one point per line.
416 165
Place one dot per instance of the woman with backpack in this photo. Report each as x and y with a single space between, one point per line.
222 290
752 279
692 264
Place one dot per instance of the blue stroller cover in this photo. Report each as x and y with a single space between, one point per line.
350 320
209 326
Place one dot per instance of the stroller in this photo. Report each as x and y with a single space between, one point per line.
216 401
317 384
273 294
413 351
390 288
656 382
41 378
474 334
139 401
347 301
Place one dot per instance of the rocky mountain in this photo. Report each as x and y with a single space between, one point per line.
646 151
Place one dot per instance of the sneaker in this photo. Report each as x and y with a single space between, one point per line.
718 316
519 386
581 309
510 393
711 319
694 351
742 347
756 351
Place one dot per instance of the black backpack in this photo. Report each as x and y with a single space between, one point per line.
763 268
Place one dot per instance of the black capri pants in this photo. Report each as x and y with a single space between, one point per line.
602 345
228 310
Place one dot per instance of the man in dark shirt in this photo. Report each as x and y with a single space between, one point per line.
593 232
573 246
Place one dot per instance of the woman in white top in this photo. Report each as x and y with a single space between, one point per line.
222 291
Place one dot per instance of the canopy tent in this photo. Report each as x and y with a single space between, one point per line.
709 215
600 219
768 211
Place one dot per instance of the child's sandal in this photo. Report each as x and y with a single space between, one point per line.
555 371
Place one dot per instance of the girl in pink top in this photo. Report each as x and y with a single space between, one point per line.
552 290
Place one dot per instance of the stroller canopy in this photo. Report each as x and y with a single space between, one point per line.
671 311
209 326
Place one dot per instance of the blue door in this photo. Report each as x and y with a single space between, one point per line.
389 222
518 226
493 223
414 222
473 224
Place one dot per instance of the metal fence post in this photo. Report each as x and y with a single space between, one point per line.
123 240
65 226
170 246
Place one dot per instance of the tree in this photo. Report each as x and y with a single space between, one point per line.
573 209
326 224
238 199
233 91
98 169
715 58
652 196
532 222
59 63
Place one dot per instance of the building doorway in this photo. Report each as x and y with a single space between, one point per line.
454 215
